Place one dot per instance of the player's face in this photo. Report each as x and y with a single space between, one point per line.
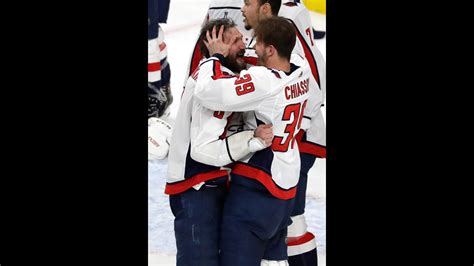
260 49
250 11
235 59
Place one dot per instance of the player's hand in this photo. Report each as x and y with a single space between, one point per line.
265 132
215 43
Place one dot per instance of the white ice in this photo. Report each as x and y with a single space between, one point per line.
185 17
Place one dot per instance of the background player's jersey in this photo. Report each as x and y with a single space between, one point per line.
314 135
158 58
229 9
159 76
305 44
277 98
159 72
157 52
157 13
312 139
194 123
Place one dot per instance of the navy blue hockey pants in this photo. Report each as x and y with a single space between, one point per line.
197 224
254 225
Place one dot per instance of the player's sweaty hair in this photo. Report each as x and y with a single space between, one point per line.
227 23
279 32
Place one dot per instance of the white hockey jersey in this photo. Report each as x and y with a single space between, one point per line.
277 98
312 139
157 57
203 140
230 9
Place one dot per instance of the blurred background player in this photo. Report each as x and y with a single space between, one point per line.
159 74
231 9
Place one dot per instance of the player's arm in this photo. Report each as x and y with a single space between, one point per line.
313 106
221 152
217 91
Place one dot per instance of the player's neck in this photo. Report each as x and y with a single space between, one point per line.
279 64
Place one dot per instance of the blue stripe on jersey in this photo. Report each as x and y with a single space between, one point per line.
263 160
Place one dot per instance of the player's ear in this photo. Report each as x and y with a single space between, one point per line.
270 50
265 8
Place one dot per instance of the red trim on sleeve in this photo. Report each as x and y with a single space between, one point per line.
218 74
313 149
152 67
294 241
309 147
309 56
195 74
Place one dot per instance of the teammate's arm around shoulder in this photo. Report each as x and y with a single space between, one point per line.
222 152
241 93
218 91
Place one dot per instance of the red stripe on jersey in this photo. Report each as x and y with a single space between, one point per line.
195 58
195 74
175 188
294 241
264 178
309 147
313 149
152 67
218 74
250 60
162 46
309 56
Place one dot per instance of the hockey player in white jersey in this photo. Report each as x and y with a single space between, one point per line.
263 184
311 140
197 189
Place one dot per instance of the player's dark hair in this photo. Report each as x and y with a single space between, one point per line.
227 23
279 32
274 4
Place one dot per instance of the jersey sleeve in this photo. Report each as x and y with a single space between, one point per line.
314 102
221 152
305 45
245 92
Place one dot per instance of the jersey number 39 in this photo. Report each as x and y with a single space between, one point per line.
244 85
281 143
